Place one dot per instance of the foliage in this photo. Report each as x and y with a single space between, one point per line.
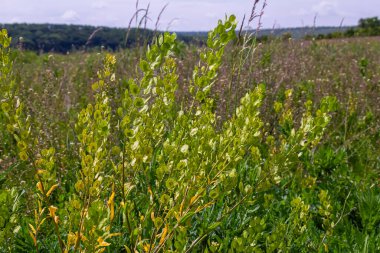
62 38
66 38
370 26
157 162
366 27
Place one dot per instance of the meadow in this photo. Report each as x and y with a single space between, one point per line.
234 146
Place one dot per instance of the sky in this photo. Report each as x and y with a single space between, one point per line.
187 15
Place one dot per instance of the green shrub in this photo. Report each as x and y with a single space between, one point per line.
146 172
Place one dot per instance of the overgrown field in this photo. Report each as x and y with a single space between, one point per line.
233 147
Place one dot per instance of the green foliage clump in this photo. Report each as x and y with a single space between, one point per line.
369 26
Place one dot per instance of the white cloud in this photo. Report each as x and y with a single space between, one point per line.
99 5
70 16
325 8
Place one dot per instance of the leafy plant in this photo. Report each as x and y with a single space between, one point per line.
147 162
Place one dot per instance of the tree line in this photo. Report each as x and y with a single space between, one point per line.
366 27
65 38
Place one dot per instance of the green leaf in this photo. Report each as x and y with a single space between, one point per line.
214 226
144 65
186 217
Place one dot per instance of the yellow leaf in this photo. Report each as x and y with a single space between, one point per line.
51 190
111 199
33 229
152 216
200 208
56 219
41 223
181 208
193 199
102 243
113 235
147 247
71 239
111 205
164 233
42 211
40 172
150 192
83 238
177 216
52 210
39 187
33 237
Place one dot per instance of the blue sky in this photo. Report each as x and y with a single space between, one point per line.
187 15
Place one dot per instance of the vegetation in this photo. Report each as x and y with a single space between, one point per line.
366 27
230 147
65 38
69 38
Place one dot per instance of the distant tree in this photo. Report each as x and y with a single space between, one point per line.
366 27
350 32
369 23
369 26
337 35
64 38
321 36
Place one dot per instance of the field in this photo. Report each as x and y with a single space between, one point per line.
235 146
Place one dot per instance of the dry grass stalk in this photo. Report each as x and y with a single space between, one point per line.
159 17
92 36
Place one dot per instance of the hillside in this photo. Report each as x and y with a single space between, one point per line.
63 38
